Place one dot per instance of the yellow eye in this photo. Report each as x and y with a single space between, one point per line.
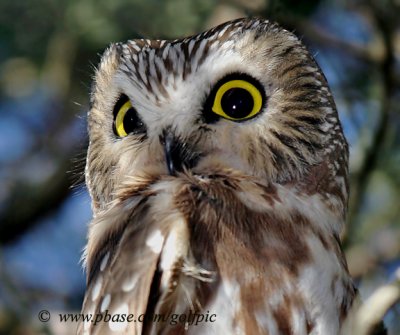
126 118
237 100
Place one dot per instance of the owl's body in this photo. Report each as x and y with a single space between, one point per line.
218 172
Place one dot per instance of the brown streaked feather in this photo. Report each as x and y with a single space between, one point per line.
141 266
249 230
212 239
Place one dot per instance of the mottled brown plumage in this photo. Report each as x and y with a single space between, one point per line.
231 215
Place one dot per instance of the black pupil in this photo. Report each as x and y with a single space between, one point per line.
237 103
132 122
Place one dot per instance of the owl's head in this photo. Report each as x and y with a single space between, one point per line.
244 96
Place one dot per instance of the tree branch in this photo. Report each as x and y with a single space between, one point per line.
379 137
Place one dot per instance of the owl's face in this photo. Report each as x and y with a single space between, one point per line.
244 96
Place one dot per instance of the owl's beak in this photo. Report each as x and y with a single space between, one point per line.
178 153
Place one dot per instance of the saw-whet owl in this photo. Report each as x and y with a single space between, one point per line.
218 172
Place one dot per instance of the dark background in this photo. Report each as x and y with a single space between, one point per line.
48 52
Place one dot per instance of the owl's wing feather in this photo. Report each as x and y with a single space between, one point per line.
137 271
